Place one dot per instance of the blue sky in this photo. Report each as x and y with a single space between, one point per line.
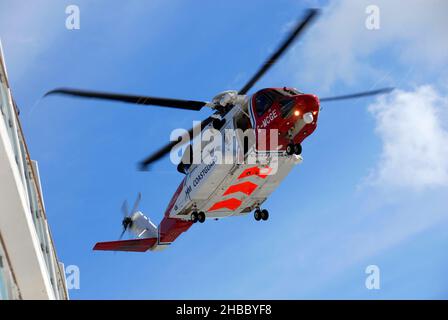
372 187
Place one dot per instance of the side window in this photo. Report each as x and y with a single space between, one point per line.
262 103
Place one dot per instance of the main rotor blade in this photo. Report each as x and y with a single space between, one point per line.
142 100
299 28
358 95
143 165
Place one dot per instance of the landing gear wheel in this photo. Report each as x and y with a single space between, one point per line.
194 217
264 214
201 217
290 149
298 149
257 214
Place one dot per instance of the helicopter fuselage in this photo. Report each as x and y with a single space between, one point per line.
222 190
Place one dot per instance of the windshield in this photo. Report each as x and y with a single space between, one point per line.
286 106
262 103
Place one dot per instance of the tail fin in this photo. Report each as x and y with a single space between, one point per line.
137 245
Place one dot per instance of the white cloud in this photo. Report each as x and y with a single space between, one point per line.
383 216
405 194
412 128
340 49
408 48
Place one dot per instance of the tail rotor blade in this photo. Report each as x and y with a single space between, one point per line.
126 223
122 234
125 208
136 203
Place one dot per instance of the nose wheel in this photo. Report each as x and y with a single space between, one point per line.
261 214
294 149
198 217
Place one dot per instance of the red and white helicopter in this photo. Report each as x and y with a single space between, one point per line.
218 190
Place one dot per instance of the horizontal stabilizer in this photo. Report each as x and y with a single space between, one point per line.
138 245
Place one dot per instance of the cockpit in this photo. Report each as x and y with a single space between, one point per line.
265 98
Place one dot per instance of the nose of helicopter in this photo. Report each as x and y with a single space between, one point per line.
305 106
309 101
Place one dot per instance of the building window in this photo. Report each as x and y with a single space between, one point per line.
8 289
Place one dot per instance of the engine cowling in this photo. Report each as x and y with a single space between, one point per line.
142 226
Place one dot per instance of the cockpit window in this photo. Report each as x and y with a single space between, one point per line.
286 106
262 103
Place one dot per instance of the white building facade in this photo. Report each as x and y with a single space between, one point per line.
29 267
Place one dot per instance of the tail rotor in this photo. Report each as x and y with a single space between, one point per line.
127 215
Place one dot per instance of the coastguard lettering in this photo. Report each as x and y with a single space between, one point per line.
202 174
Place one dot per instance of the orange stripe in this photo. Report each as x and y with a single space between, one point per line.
232 204
255 171
244 187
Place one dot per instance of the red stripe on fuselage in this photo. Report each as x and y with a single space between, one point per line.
246 187
171 228
174 198
231 204
255 171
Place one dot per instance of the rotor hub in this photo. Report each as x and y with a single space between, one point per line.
127 222
226 98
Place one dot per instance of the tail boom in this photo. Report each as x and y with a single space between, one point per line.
167 232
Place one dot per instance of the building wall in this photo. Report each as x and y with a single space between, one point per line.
31 269
8 285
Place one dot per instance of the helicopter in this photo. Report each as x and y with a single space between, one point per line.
271 125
